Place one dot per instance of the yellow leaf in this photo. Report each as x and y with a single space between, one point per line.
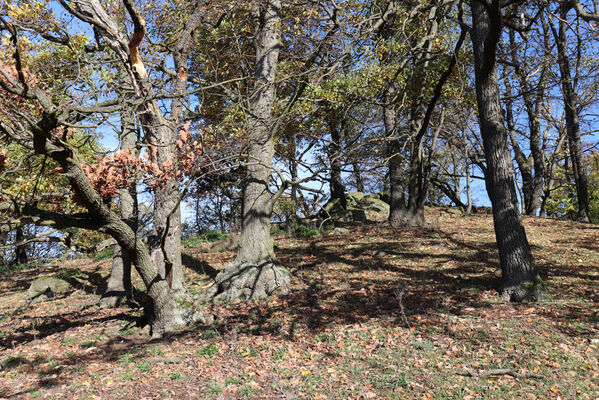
305 372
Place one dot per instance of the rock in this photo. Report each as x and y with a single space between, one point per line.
454 211
595 341
379 253
385 195
374 204
340 231
353 198
358 215
229 244
45 287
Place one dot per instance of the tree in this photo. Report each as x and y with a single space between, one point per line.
571 100
520 279
255 273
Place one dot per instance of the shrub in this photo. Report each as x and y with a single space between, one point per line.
306 231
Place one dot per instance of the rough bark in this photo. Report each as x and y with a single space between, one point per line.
118 287
162 315
571 109
255 273
520 280
397 202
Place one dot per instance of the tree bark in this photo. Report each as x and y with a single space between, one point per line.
572 122
335 123
397 202
520 280
255 273
119 286
162 314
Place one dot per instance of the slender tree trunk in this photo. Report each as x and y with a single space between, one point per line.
119 283
357 172
550 172
20 250
520 279
254 273
162 314
336 183
572 121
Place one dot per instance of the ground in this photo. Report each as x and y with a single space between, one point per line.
373 314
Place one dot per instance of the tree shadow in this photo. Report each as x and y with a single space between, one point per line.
201 267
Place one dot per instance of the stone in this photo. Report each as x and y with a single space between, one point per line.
229 244
340 231
45 287
374 204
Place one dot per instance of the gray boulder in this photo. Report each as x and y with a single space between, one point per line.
373 204
45 287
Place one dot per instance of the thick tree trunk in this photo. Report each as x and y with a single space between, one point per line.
397 202
572 122
255 273
165 201
520 280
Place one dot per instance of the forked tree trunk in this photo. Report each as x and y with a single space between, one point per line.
572 121
255 273
520 279
162 315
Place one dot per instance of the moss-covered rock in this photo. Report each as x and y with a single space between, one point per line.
373 204
45 287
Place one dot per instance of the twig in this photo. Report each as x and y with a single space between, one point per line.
501 371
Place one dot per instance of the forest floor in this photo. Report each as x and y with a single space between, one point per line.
341 333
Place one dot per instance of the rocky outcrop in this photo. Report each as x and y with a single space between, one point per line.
360 207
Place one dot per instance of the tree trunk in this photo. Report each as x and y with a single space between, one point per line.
162 314
357 172
20 250
520 280
119 286
397 196
255 273
335 181
533 187
572 122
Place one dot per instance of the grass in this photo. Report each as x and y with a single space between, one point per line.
340 333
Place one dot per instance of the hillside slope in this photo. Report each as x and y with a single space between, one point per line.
373 314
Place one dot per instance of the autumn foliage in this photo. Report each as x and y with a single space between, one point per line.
123 169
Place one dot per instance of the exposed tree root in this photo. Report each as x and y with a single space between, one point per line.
249 281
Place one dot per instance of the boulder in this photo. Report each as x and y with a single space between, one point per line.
45 287
353 198
371 203
229 244
340 231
